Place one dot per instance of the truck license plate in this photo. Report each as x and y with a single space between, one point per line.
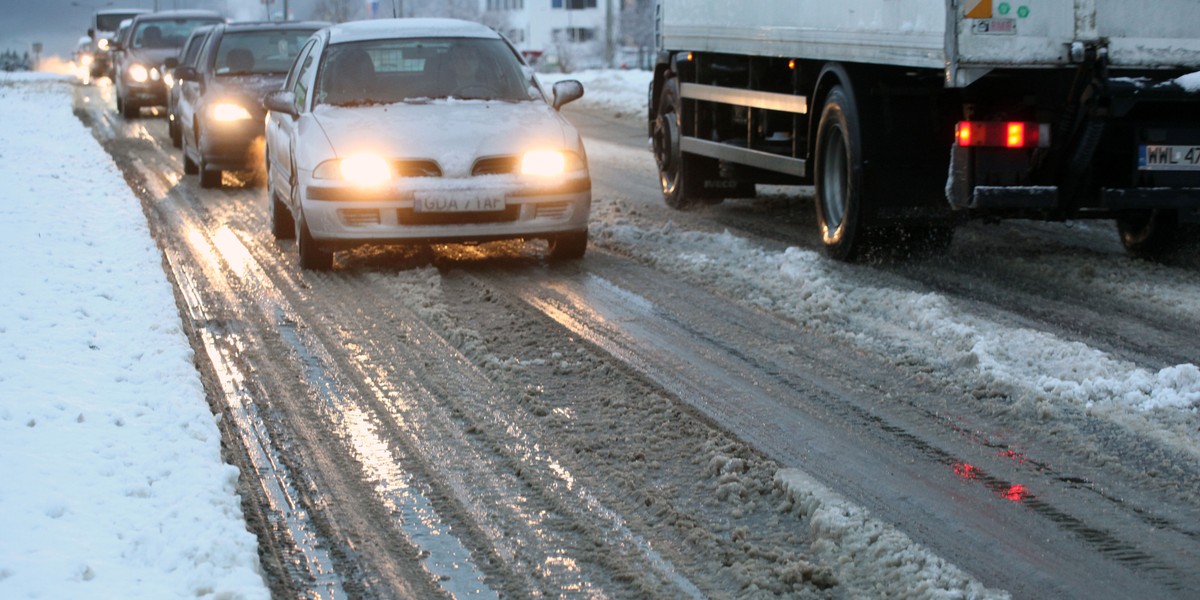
1169 158
433 202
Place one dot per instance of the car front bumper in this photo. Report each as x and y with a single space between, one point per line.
147 93
429 210
233 146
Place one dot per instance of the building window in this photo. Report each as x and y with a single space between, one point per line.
575 34
573 4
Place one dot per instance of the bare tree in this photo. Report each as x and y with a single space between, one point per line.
637 29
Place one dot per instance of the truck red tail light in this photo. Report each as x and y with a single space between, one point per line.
1001 134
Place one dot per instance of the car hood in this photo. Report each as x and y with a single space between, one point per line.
250 86
152 57
452 132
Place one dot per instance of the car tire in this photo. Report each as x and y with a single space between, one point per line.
312 258
173 130
283 226
129 110
209 179
568 246
189 166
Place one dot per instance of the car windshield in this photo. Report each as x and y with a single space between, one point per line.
407 70
165 33
111 21
259 52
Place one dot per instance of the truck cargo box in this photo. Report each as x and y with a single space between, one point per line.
965 37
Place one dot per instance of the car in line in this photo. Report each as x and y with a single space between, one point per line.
220 107
188 56
422 131
152 38
103 32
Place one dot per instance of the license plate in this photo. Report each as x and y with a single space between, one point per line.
433 202
1169 158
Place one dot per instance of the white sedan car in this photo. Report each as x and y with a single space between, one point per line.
421 131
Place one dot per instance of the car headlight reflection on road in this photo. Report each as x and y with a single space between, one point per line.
228 111
139 73
366 170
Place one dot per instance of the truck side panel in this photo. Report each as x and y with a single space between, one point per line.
1017 34
910 33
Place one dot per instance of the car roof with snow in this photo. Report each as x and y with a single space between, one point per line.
378 29
123 11
171 15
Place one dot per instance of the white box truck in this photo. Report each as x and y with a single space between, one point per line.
910 116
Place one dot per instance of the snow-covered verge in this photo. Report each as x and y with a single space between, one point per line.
111 478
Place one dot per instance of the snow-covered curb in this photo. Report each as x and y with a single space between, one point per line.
111 478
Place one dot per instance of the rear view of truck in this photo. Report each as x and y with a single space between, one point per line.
909 117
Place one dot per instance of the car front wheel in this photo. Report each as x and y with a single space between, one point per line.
568 246
312 257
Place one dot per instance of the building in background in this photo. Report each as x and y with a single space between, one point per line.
562 35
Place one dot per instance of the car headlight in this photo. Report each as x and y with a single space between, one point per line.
365 170
138 73
102 43
228 111
85 59
549 163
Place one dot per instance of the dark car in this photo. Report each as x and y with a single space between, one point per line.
220 108
152 39
188 57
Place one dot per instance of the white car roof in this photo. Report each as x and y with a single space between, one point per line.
115 11
376 29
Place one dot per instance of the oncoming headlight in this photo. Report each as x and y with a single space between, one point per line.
102 43
138 73
549 163
366 170
228 111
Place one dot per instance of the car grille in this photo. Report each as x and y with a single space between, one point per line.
417 168
496 165
552 210
407 216
357 217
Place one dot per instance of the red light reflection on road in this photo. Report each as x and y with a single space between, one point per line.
1016 492
965 470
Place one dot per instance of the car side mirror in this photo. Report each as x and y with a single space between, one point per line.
170 63
567 91
186 73
281 101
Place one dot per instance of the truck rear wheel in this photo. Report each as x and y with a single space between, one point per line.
1149 234
839 178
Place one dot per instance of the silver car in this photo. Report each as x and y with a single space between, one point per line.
421 131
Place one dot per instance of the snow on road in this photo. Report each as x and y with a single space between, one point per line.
111 478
